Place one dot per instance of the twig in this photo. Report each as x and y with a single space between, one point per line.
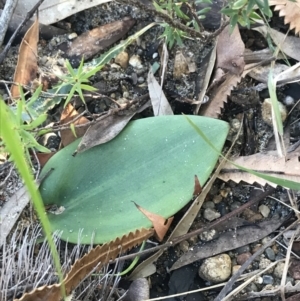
195 16
12 38
6 16
151 9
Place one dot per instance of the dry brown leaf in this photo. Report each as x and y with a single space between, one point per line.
290 75
44 157
219 97
26 70
11 211
160 224
197 187
228 71
268 163
290 45
290 10
261 73
69 114
230 51
85 265
92 42
107 128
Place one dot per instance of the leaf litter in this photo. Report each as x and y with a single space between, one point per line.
26 69
227 92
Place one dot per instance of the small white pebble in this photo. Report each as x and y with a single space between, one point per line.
72 36
289 100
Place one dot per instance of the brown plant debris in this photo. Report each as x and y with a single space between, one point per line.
268 163
161 225
96 258
26 70
69 114
228 71
290 10
92 42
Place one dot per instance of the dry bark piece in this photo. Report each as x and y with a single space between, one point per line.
26 70
268 163
290 10
85 265
160 224
92 42
69 114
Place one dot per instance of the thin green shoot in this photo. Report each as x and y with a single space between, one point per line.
13 143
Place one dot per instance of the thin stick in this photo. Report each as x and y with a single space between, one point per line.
12 38
6 16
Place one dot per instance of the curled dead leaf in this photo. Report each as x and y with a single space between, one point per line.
69 114
26 70
160 224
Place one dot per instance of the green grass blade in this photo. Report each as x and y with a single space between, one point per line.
14 145
273 96
281 182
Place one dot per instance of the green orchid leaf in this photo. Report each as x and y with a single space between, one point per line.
153 162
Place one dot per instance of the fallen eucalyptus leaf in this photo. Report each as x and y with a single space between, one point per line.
288 44
261 73
204 75
230 51
229 241
138 290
